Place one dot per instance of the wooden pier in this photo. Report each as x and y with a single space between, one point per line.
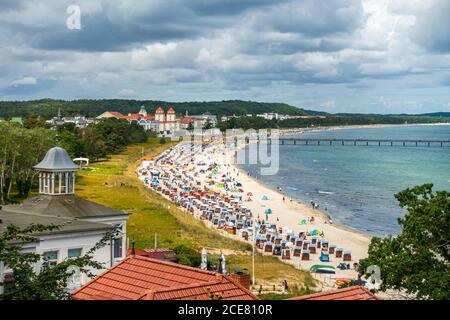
361 142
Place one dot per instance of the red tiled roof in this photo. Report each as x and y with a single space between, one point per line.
162 253
133 116
350 293
137 251
170 111
137 116
222 288
159 110
138 277
186 120
114 114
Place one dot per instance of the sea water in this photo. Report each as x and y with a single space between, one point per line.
356 184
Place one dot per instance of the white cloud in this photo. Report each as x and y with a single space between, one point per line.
24 81
127 93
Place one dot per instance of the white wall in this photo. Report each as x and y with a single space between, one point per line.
86 241
115 220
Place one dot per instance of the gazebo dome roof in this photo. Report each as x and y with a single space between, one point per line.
56 159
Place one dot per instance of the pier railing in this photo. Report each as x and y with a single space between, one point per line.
360 142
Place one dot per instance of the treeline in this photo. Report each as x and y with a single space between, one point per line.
48 108
330 120
22 147
20 150
97 141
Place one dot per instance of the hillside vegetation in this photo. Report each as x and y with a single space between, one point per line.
114 183
48 108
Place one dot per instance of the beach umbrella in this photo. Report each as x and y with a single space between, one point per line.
249 194
264 197
268 211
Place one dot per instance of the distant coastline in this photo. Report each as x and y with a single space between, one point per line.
299 131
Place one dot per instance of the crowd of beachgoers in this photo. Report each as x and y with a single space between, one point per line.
200 179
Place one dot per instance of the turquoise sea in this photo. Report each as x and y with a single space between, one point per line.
356 184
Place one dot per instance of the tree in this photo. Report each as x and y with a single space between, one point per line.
32 122
51 282
208 125
20 149
418 260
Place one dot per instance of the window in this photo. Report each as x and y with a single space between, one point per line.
74 253
118 248
51 257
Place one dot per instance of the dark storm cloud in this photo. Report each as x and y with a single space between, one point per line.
26 89
117 25
313 18
281 50
432 29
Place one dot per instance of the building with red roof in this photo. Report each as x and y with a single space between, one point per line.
170 111
110 114
160 122
159 253
143 278
350 293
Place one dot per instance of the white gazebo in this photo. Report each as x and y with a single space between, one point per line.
56 173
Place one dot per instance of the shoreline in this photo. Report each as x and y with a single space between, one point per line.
288 215
289 131
291 215
318 212
297 131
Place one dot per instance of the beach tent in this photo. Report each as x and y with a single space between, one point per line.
317 268
314 232
264 197
324 257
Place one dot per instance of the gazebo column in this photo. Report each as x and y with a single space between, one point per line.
53 183
73 182
66 185
40 182
60 182
47 179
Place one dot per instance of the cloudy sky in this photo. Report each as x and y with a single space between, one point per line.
382 56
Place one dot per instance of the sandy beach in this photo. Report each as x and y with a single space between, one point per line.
205 181
179 168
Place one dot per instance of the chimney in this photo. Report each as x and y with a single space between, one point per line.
242 279
133 249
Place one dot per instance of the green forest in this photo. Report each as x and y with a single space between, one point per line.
329 120
22 147
48 108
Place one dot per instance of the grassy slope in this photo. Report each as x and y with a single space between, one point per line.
114 183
